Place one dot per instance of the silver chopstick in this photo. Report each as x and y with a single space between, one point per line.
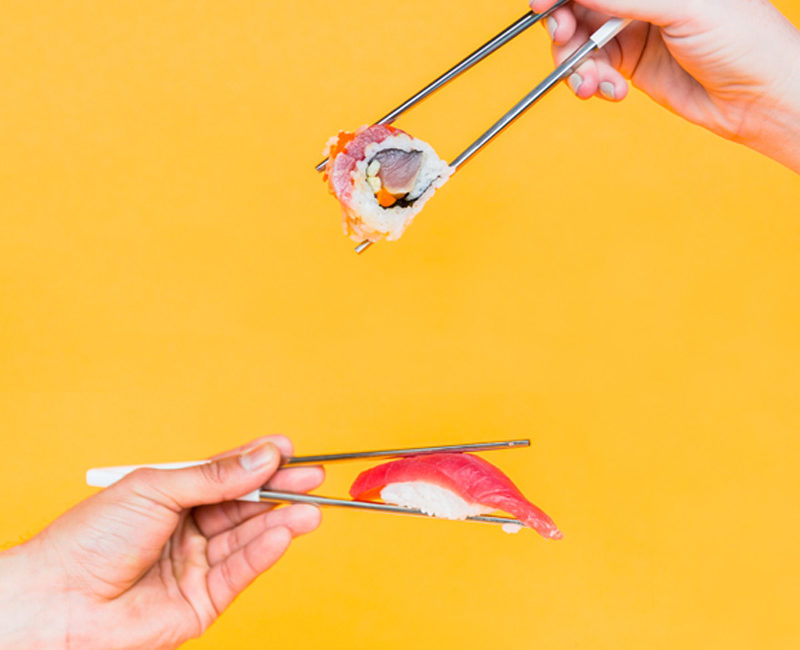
400 453
512 31
273 496
596 42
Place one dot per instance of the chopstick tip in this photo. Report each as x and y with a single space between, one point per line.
364 245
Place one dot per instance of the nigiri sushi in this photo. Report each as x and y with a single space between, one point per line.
382 177
453 486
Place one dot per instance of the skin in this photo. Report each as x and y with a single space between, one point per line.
727 65
153 560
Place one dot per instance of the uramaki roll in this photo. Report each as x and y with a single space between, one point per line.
382 177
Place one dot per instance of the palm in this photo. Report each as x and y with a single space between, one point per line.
201 565
164 575
173 595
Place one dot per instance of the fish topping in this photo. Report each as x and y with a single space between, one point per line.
450 485
398 169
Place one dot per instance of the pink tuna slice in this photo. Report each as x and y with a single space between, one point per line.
342 165
399 169
470 477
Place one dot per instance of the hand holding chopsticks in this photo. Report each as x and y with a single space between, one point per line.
596 41
105 476
155 559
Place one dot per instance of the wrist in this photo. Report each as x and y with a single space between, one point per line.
30 615
774 124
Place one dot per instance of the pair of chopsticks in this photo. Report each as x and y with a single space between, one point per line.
105 476
596 41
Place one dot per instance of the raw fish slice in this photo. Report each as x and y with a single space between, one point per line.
399 169
472 478
345 150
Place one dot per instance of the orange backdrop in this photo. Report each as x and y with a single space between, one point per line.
614 283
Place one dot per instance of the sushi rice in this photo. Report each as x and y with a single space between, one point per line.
437 501
432 500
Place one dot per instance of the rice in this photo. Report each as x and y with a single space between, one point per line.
432 500
373 219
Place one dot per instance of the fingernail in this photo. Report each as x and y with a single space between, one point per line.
256 458
575 81
551 25
607 90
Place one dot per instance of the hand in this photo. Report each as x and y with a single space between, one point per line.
153 560
727 65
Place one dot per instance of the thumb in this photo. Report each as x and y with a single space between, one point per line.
658 12
220 480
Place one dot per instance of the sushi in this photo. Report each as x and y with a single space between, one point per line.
382 177
453 486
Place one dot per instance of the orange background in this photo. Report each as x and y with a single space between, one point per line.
616 284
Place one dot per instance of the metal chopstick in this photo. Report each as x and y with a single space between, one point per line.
596 42
291 497
512 31
599 39
400 453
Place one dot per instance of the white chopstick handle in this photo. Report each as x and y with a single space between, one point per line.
608 31
102 477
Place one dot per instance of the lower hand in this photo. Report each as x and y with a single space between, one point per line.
153 560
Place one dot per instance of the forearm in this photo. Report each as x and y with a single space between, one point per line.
28 618
770 122
777 132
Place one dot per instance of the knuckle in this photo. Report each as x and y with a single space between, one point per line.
142 474
146 485
216 473
227 577
232 542
140 479
249 561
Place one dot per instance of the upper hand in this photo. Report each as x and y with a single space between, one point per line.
727 65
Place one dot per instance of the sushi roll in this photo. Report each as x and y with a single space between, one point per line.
382 177
452 486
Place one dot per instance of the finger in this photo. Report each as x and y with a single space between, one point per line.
622 52
611 85
220 480
214 519
627 49
298 479
228 579
560 25
298 519
583 80
539 6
